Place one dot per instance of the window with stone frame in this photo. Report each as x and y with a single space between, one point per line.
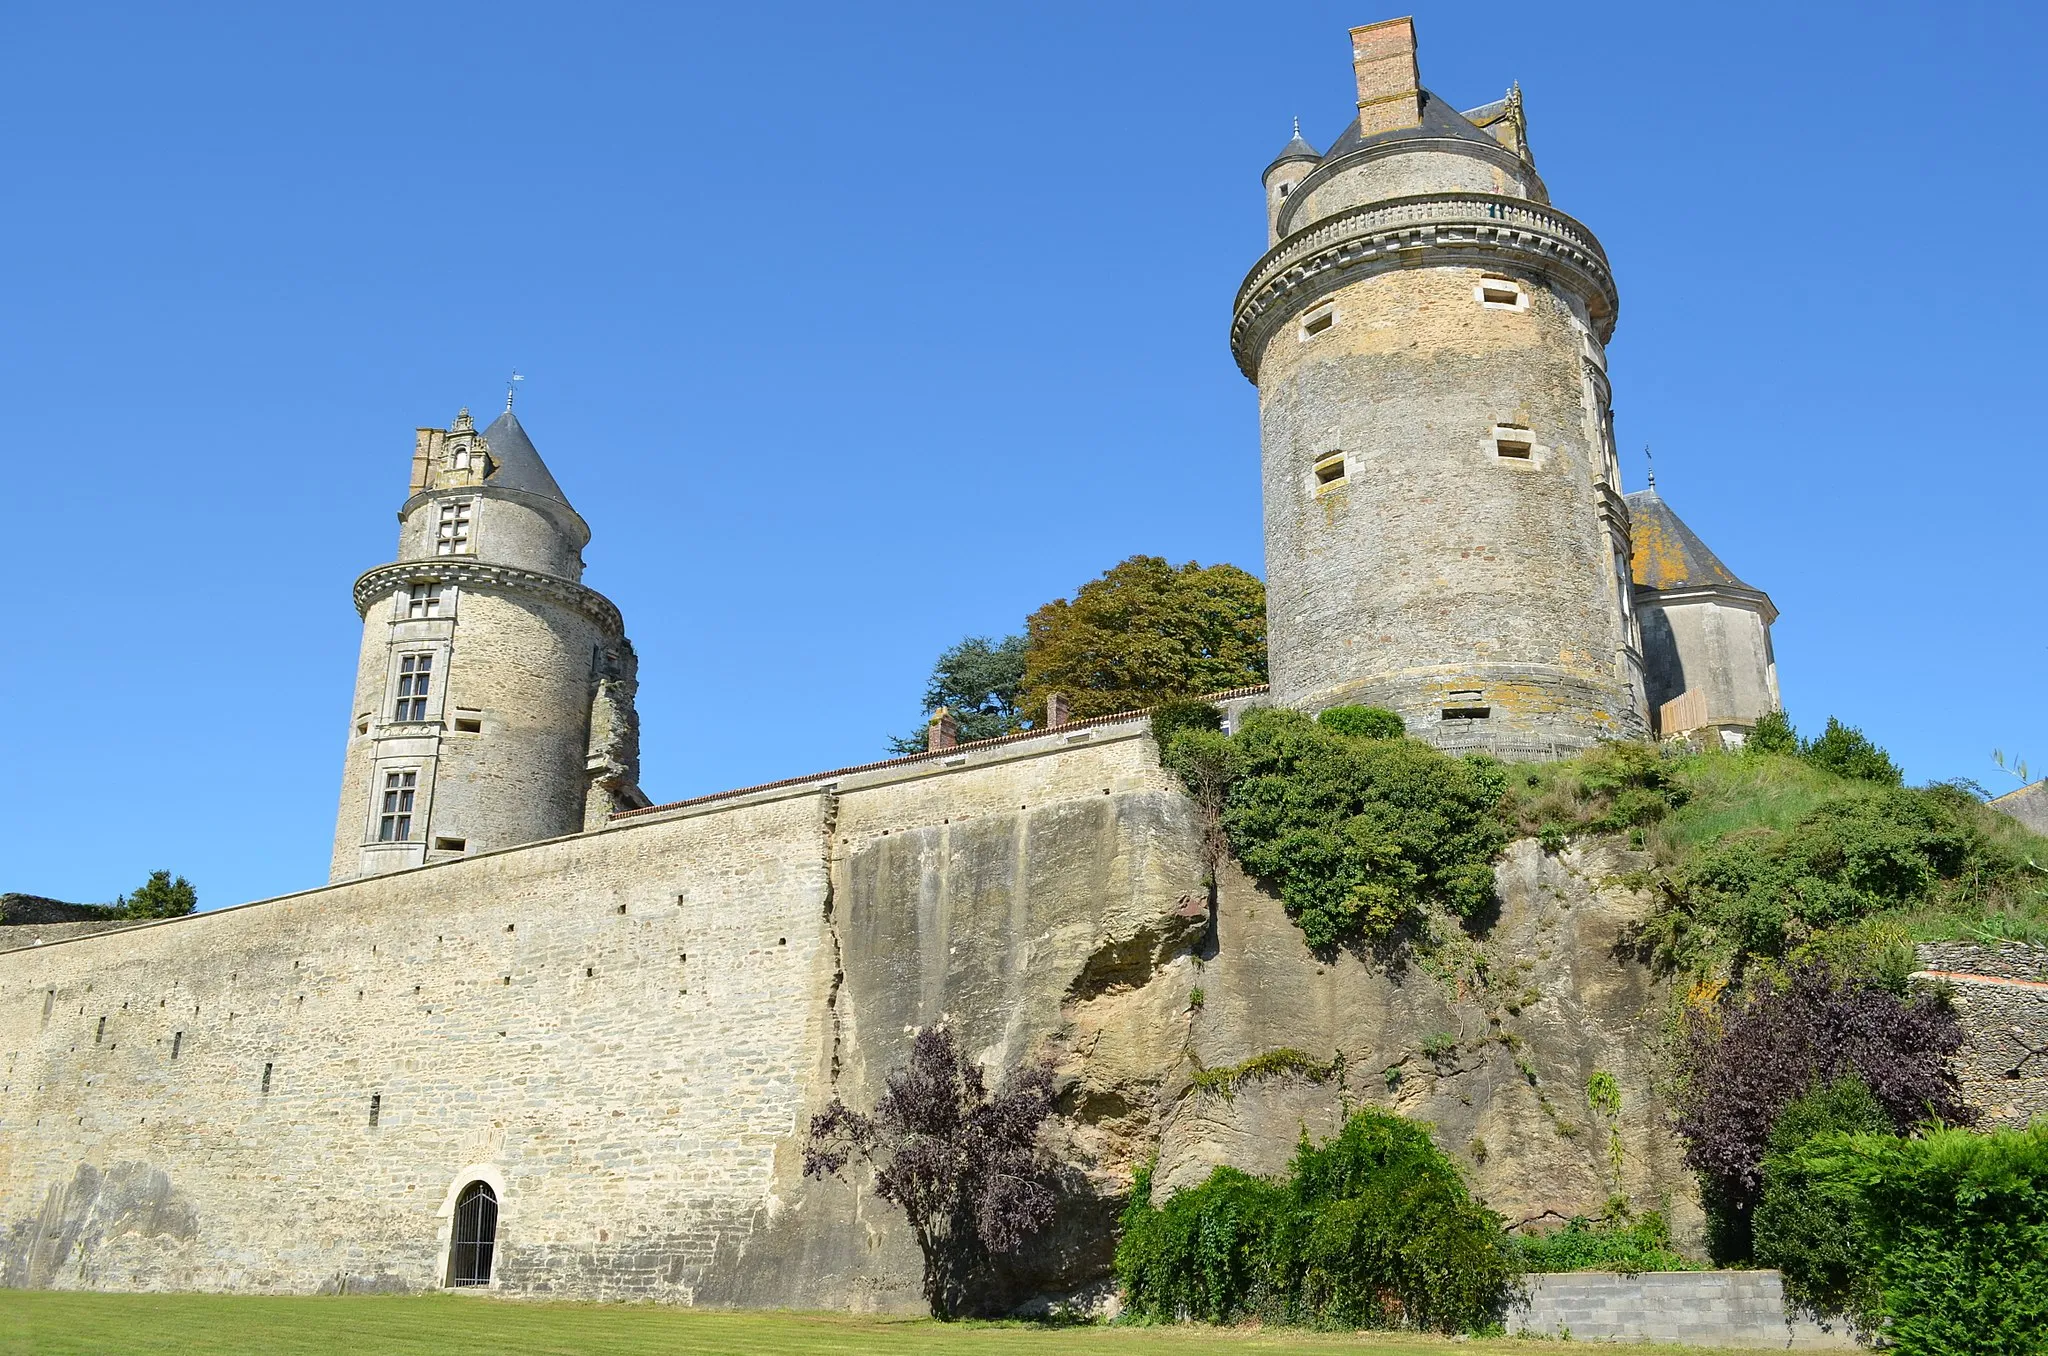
415 676
452 538
422 602
394 812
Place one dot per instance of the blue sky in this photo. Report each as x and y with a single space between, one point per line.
855 329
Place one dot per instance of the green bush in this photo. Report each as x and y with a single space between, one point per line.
1773 733
1169 718
1958 1222
159 897
1617 1241
1808 1227
1371 1229
1846 752
1358 835
1363 722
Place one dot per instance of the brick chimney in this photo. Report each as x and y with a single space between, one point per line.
943 732
1389 89
1055 709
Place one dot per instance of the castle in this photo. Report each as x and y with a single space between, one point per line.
541 1035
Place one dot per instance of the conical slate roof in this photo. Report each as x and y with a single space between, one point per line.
519 465
1666 554
1296 149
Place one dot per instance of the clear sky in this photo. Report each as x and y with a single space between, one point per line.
854 329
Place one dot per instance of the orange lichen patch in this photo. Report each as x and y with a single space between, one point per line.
1664 553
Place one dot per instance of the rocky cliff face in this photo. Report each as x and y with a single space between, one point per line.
1084 935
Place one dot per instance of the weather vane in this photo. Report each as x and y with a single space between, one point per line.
1648 464
511 389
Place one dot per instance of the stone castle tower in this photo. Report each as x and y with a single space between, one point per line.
1445 531
494 695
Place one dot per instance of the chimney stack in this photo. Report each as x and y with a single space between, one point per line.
1055 709
1389 89
943 732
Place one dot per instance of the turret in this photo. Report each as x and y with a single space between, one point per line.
1707 657
494 695
1289 168
1445 532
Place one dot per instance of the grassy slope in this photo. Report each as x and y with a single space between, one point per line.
57 1323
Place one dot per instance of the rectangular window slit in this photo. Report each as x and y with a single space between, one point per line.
1330 470
266 1078
450 844
1317 324
376 1106
1499 296
1468 712
468 725
101 1034
177 1043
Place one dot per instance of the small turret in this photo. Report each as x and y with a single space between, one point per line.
1289 168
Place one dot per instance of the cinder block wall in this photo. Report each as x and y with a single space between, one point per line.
1695 1308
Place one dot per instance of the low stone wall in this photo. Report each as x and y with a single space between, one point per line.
2001 995
18 936
1694 1308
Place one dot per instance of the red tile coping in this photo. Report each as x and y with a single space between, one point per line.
906 760
1998 981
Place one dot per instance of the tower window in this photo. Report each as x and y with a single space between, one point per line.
376 1107
1513 440
423 601
394 818
453 539
1285 189
1329 472
415 675
1501 294
462 457
1317 321
266 1078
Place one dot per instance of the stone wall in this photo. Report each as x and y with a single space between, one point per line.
2001 995
626 1031
1694 1308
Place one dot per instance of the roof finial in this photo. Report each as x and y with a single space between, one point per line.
510 389
1297 125
1650 465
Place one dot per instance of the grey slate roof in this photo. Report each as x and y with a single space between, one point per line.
1666 554
1439 119
1296 149
519 465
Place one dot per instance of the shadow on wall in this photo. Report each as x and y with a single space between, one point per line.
132 1206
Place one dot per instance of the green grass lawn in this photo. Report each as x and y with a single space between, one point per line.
50 1323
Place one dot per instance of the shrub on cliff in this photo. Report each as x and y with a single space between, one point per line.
1373 1228
963 1165
1745 1059
1359 834
1620 1240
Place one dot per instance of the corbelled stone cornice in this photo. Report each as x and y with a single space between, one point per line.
1428 228
386 580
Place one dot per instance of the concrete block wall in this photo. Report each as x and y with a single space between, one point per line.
1694 1308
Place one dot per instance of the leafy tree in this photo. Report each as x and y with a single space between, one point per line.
159 897
1144 632
1773 733
1742 1066
1847 752
979 681
1805 1227
1372 1228
963 1165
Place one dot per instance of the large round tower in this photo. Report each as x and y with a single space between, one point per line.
1445 533
494 696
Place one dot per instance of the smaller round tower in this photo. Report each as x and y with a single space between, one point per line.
494 694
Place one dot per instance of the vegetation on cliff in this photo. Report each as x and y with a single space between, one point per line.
1373 1228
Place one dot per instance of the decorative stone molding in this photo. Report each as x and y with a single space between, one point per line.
387 579
1329 168
1428 228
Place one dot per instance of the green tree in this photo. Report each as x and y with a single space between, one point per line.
979 681
159 897
1847 752
1807 1227
1773 733
1145 632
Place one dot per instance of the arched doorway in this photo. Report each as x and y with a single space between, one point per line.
474 1242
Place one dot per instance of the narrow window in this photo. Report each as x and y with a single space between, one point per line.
100 1034
49 1002
376 1105
462 457
415 676
1285 189
475 1236
394 819
1317 322
177 1043
468 722
422 601
363 723
453 538
1467 704
1330 472
266 1078
1513 440
1500 292
450 844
